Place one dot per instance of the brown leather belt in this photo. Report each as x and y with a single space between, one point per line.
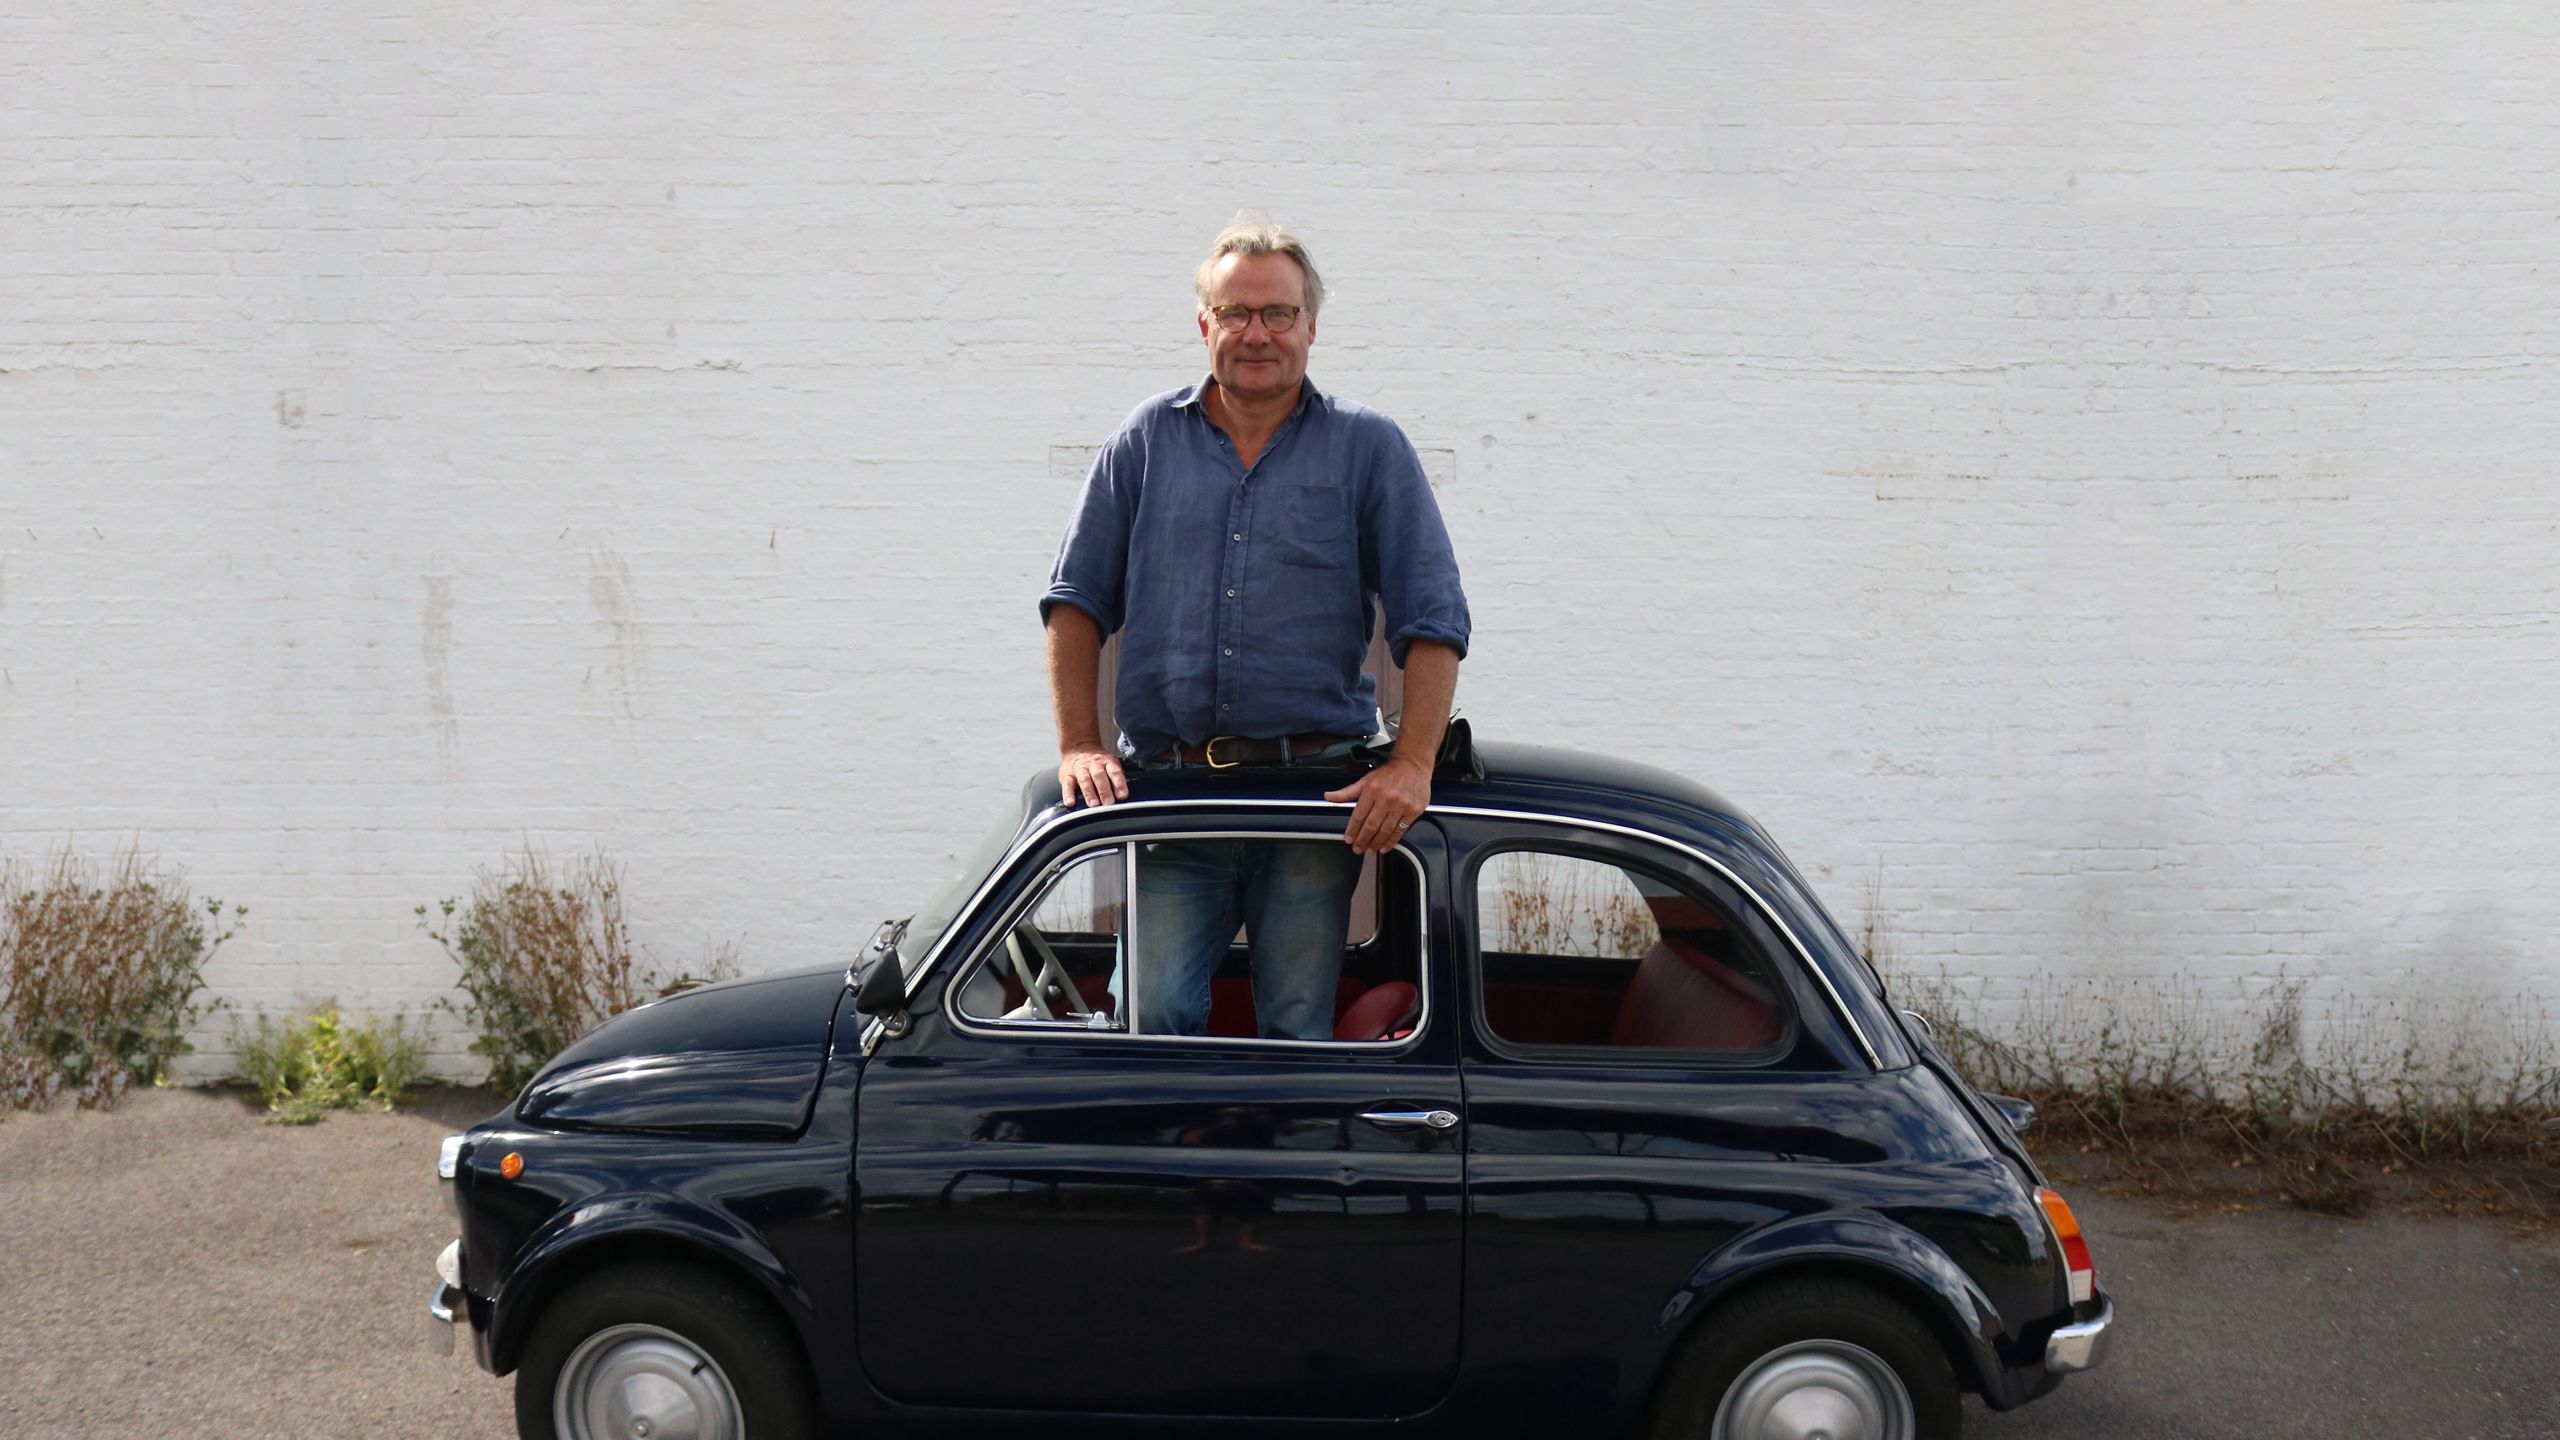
1225 752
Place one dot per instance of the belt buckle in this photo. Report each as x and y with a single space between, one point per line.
1209 752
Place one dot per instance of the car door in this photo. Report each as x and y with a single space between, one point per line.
1058 1214
1648 1078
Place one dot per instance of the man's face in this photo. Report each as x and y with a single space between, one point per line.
1253 363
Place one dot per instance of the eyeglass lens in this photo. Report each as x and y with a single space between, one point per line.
1275 318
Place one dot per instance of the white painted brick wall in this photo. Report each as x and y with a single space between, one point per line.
2084 469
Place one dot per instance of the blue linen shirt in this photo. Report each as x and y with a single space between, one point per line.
1245 598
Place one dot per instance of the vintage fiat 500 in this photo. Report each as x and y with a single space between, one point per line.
1616 1133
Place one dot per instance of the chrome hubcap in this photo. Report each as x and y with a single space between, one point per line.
1816 1390
638 1382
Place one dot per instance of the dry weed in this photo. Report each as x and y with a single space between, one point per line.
2329 1111
546 956
100 968
1559 905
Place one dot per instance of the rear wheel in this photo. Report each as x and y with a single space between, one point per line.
1812 1359
662 1352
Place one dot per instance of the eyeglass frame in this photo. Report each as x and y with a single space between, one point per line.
1246 314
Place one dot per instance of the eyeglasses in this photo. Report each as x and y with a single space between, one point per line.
1275 318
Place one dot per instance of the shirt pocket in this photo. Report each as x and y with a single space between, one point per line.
1315 526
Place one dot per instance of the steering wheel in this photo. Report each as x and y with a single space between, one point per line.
1048 986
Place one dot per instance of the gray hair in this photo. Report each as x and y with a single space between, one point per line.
1255 233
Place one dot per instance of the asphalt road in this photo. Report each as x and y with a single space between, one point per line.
2285 1324
177 1268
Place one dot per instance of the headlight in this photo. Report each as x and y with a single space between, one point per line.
449 1156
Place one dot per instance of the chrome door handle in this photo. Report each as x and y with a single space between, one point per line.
1436 1119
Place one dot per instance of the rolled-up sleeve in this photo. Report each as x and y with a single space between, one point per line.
1093 557
1416 569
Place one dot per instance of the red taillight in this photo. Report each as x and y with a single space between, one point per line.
2075 1250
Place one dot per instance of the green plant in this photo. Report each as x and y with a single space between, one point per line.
545 956
307 1067
100 968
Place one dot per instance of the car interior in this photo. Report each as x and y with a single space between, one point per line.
1582 953
1062 962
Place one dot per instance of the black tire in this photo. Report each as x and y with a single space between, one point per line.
1820 1341
643 1318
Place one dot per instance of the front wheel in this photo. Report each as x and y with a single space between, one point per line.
662 1352
1812 1359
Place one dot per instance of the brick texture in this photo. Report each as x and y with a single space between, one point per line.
2082 475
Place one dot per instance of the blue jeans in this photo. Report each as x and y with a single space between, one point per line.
1292 896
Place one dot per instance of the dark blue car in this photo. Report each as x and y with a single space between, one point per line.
1616 1134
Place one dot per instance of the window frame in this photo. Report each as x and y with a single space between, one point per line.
1035 886
1018 911
1468 903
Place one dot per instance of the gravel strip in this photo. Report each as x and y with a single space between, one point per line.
178 1267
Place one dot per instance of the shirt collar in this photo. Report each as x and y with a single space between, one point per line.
1192 398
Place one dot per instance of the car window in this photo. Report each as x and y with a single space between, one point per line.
926 926
1583 952
1150 939
1064 962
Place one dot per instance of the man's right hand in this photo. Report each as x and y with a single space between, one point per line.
1092 775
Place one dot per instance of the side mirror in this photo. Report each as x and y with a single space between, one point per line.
2019 1113
884 989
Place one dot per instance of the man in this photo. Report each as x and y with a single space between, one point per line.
1240 534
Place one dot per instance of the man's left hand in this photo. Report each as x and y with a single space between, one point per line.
1390 798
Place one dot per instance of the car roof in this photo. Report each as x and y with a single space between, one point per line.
1532 778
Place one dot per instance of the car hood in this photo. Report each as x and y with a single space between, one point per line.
740 1058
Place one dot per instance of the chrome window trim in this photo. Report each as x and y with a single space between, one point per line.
1039 885
942 943
1767 911
1128 935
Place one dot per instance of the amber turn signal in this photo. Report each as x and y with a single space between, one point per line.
513 1166
2082 1270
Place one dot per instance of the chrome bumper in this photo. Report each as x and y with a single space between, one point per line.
440 1311
2082 1346
445 1302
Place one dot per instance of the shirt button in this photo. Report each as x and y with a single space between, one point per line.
1230 650
1231 594
1238 537
1222 705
